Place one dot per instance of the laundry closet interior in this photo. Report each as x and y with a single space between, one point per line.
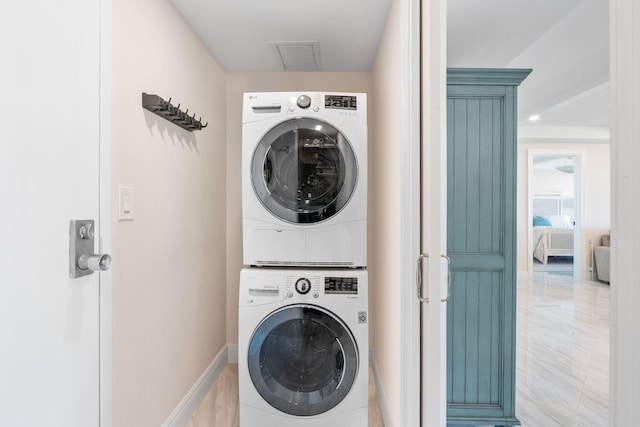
180 312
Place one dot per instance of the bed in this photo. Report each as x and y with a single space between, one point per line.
552 231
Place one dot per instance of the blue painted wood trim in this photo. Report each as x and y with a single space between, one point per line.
487 76
470 421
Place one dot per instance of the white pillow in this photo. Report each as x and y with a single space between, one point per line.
560 220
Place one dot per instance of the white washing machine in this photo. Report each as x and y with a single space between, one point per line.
303 348
304 179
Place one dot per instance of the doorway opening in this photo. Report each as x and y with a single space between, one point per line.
555 208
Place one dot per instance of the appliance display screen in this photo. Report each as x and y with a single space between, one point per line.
341 285
343 102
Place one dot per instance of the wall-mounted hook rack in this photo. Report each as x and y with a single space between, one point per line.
167 111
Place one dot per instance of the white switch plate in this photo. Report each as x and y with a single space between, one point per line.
125 203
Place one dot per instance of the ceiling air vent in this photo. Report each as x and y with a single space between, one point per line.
298 56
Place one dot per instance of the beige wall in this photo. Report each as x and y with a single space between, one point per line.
237 84
385 151
596 195
169 306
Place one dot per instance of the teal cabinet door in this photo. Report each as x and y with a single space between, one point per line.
481 242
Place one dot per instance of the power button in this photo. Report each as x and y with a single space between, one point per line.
303 286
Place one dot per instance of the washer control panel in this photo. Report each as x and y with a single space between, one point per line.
314 286
304 101
341 285
309 286
303 286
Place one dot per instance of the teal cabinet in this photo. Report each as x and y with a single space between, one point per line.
481 242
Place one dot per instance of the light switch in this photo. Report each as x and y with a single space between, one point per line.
125 198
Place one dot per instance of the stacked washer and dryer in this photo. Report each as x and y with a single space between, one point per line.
303 347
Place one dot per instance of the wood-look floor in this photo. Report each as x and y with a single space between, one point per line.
562 360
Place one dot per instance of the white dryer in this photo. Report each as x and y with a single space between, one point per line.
303 345
304 179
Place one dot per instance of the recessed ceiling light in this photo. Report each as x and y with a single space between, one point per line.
534 117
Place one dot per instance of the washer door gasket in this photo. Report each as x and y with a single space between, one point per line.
304 171
303 360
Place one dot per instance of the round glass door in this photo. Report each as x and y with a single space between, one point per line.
302 360
304 171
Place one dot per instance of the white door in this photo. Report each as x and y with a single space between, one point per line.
434 214
424 214
49 169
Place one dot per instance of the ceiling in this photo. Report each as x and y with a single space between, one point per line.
564 42
241 33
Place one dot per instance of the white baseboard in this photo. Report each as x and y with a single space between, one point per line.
185 409
382 400
233 353
229 354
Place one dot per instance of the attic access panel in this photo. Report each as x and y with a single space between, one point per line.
298 56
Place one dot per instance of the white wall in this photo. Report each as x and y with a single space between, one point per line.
385 264
546 181
625 233
549 181
169 306
237 84
596 197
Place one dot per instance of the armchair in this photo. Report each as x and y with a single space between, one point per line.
603 259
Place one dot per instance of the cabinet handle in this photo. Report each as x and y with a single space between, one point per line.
419 277
448 278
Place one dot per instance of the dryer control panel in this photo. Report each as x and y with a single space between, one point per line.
327 106
342 102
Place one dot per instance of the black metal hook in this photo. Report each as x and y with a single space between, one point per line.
164 109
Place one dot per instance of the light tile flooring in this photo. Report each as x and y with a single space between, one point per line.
562 360
562 376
